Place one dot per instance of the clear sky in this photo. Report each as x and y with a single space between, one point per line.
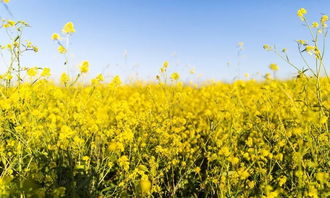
200 34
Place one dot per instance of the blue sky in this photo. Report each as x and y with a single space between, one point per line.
200 34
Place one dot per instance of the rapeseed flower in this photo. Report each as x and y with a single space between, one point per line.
45 72
324 19
315 24
32 72
273 67
175 76
301 12
84 67
64 78
165 64
55 36
61 49
145 185
68 28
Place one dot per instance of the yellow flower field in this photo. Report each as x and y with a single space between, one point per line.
164 138
246 139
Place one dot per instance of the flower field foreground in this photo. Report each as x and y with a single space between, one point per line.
245 139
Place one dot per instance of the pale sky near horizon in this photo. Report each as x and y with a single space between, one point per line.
187 33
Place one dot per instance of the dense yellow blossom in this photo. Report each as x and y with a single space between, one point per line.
126 129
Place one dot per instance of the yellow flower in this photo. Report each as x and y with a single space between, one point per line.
35 48
273 67
268 76
165 64
322 177
301 12
317 53
145 185
123 162
9 23
234 160
68 28
9 46
224 151
273 194
85 158
301 42
309 48
282 180
16 44
197 170
61 49
84 67
251 184
32 72
324 19
99 78
64 78
175 76
312 192
244 174
115 81
29 44
116 147
45 72
315 24
7 76
267 47
55 36
6 1
249 142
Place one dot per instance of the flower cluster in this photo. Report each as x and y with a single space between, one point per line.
247 138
